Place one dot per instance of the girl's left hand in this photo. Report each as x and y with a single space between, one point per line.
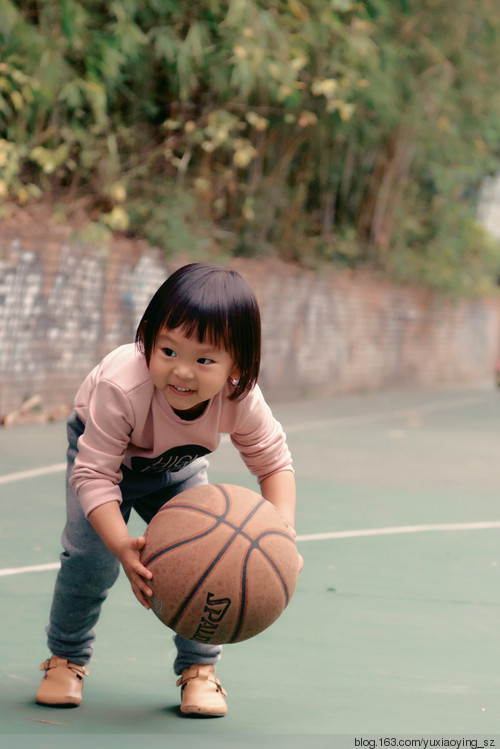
301 558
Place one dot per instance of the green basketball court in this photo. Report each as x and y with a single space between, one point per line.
394 626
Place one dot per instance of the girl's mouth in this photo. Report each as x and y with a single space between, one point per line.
180 390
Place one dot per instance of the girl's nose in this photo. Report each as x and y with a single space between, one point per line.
183 370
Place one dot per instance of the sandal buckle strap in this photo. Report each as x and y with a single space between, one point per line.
79 671
194 674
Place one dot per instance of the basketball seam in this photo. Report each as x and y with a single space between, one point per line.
201 580
177 545
200 510
255 545
218 518
221 519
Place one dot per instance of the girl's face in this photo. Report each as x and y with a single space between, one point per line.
187 372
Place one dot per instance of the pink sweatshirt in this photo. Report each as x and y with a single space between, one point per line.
128 421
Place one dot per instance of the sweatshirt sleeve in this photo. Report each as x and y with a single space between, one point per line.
101 448
260 438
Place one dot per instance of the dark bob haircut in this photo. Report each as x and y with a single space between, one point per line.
211 304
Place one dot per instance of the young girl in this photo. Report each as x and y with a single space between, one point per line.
144 420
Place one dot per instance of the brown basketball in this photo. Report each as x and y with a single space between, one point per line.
224 563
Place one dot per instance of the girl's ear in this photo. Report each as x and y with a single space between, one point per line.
235 374
141 340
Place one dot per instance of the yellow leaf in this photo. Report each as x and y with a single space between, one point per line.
39 154
118 192
258 122
284 92
326 87
17 100
202 184
346 111
240 52
275 71
49 166
307 118
243 154
298 10
117 219
444 123
172 124
22 195
298 63
248 213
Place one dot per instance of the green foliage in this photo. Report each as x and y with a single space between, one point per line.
454 254
328 131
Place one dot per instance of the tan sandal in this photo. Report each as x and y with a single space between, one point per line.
202 693
62 684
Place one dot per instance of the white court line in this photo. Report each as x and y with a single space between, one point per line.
292 429
339 421
394 531
382 415
33 568
33 474
443 527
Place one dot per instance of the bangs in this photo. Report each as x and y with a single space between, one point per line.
205 326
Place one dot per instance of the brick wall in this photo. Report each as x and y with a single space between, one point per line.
63 306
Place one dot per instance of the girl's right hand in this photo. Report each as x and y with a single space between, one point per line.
129 553
107 521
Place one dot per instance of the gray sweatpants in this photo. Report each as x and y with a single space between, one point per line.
89 569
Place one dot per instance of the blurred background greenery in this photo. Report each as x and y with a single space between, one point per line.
353 134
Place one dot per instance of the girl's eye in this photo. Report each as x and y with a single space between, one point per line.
204 360
169 352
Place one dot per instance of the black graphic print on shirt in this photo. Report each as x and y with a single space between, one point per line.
171 461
